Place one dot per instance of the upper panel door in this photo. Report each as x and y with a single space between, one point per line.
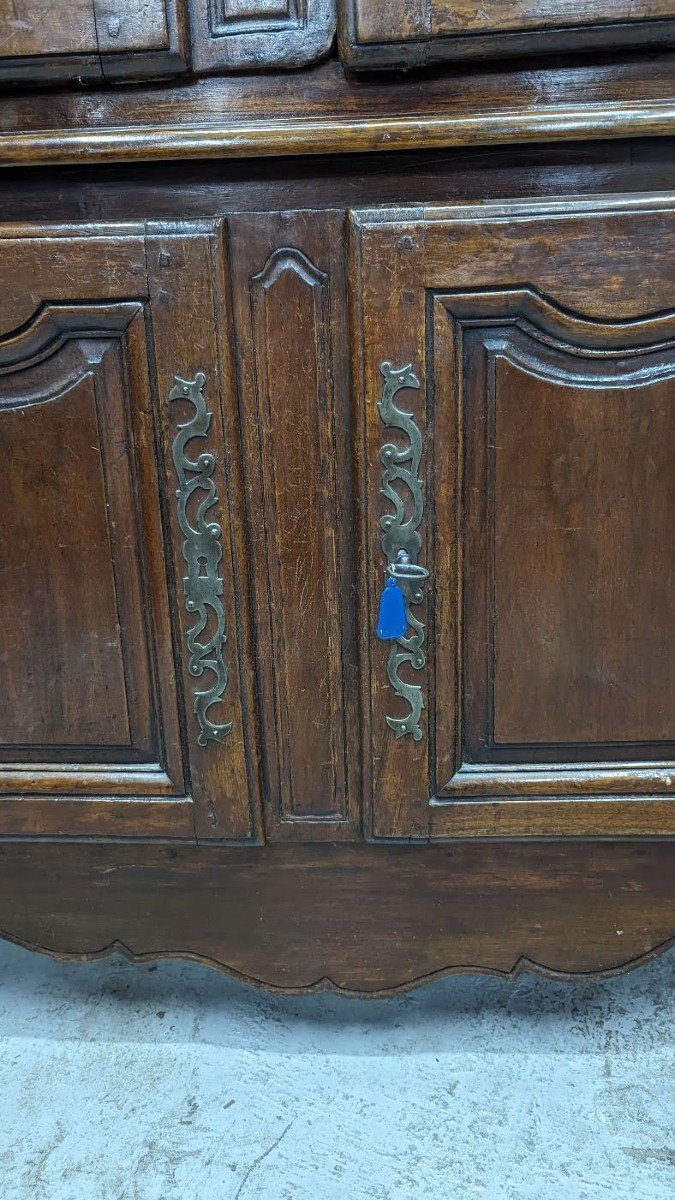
118 567
390 32
90 39
517 368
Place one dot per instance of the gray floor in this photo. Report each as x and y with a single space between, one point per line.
171 1082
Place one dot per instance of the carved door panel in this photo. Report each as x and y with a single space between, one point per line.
518 392
96 439
290 324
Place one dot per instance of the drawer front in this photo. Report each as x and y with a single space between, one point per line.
518 401
398 32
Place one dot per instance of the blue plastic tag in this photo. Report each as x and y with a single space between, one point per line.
392 620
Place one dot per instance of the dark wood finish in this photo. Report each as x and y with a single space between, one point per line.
92 40
530 287
90 715
355 918
549 371
324 111
287 273
188 290
87 41
403 33
580 479
89 705
204 191
260 34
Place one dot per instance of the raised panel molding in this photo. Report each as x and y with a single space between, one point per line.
230 16
562 285
52 325
260 34
291 358
297 440
522 331
64 375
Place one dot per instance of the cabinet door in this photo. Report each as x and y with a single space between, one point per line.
115 543
90 39
518 368
395 32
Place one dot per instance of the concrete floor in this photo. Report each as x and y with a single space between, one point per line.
171 1082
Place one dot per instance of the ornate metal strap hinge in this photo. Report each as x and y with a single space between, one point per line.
202 551
401 543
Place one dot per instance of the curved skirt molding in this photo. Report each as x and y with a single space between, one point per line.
522 966
354 919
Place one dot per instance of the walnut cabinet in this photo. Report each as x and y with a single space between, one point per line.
336 553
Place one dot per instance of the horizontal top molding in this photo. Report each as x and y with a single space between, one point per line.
324 111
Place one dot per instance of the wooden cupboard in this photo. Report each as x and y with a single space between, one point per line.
336 554
516 448
92 742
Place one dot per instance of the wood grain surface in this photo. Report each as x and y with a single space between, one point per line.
323 110
534 322
88 41
381 33
354 918
531 287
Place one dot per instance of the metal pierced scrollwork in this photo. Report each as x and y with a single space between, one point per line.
401 540
202 551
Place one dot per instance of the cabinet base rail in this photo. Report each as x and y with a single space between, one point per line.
357 919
